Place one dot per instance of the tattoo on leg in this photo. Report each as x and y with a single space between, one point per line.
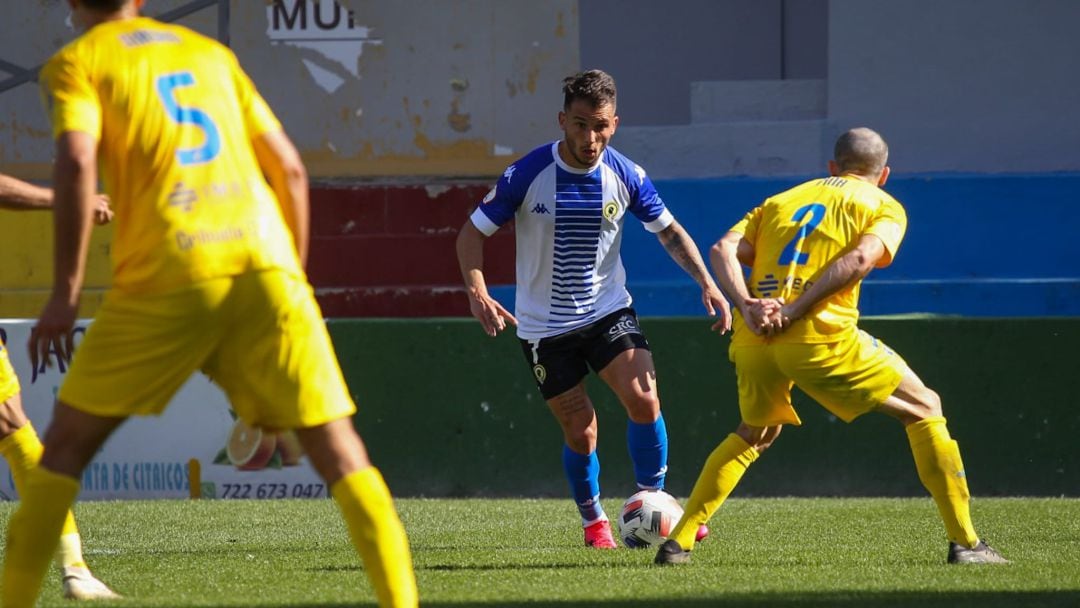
569 404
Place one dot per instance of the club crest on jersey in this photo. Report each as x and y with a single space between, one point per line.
611 211
540 372
490 195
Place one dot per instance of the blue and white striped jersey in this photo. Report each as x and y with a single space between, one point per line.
569 229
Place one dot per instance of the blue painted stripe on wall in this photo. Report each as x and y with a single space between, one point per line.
977 245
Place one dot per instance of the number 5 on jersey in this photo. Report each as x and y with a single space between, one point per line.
190 116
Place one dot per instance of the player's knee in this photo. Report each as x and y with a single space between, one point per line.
643 408
580 438
759 437
928 404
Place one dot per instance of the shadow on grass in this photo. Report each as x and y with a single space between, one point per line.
788 600
458 567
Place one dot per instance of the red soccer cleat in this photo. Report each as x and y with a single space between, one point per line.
598 536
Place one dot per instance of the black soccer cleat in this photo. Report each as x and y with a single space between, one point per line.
981 553
671 553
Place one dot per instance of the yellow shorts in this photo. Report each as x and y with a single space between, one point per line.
260 336
849 377
9 382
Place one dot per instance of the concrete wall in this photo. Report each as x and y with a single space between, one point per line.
445 410
27 39
656 51
462 87
426 87
964 85
431 89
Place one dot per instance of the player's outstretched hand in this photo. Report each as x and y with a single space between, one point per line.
490 313
717 305
103 212
52 334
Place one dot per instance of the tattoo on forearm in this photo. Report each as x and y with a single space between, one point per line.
683 250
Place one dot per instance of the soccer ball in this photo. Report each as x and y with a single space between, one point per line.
647 518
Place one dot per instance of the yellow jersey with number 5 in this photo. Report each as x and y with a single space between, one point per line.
798 233
174 116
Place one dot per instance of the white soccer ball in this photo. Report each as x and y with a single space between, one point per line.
647 518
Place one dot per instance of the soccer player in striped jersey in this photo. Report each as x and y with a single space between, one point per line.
570 199
809 249
19 443
211 201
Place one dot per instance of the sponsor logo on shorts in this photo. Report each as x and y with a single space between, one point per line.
540 372
625 325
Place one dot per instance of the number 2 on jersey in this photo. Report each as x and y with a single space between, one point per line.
793 253
186 115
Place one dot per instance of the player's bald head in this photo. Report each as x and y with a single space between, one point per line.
105 6
861 151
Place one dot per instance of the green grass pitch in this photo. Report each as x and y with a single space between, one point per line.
527 552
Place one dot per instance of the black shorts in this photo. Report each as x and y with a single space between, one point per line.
560 362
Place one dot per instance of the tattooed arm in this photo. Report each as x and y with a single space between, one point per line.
684 251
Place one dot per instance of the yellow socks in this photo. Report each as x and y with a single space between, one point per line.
378 536
22 450
937 458
719 476
33 532
69 551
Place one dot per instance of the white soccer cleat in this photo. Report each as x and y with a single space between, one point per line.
79 584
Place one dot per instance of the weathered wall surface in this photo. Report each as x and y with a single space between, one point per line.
365 88
461 87
28 37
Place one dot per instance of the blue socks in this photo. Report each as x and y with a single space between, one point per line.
583 473
648 448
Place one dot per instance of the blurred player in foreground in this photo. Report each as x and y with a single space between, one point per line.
19 443
809 249
207 275
569 200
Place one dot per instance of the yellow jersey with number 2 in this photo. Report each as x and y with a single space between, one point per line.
174 115
798 233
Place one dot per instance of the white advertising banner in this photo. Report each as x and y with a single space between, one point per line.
149 457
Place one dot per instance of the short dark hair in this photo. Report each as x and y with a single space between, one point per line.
105 6
594 86
861 150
